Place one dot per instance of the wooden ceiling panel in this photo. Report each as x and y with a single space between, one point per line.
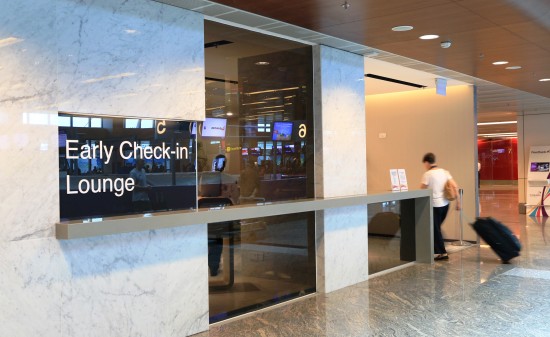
509 12
497 11
515 30
531 32
377 31
315 14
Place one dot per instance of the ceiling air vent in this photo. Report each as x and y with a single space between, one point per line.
393 80
216 43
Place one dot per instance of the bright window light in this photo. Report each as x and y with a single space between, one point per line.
64 121
147 123
95 122
131 123
81 122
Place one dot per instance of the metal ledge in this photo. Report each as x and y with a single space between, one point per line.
161 220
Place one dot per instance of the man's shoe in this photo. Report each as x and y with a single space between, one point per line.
441 257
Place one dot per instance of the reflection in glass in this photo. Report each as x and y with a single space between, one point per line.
259 262
256 145
107 168
259 116
385 237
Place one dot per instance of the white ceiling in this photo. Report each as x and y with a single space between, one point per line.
386 69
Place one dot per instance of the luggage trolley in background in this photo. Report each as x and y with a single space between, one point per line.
221 254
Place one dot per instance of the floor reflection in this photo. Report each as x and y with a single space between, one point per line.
472 294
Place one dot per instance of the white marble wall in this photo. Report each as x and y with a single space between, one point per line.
342 247
28 133
136 58
340 129
141 284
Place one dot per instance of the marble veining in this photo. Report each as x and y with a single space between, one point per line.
345 247
114 282
529 273
340 167
140 284
126 58
342 121
450 299
472 294
134 58
28 129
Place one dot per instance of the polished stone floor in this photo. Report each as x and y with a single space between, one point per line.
472 294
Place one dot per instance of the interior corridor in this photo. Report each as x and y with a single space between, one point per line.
471 294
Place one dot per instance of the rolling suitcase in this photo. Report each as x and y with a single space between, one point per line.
499 237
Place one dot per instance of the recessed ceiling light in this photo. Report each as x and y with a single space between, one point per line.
429 37
402 28
498 123
513 67
229 114
502 134
130 31
498 63
262 63
544 80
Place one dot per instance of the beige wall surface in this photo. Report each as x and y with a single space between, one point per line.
417 122
532 131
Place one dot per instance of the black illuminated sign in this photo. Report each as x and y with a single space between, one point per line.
121 166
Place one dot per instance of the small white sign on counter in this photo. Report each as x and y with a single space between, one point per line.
394 180
403 185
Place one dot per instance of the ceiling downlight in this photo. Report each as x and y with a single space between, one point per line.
402 28
429 37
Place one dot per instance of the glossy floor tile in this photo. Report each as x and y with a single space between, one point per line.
472 294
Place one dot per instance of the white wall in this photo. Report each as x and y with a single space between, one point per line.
417 122
340 156
78 56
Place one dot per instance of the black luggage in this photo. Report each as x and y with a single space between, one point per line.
499 237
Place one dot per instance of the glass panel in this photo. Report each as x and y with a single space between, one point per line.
147 123
81 122
131 123
256 145
64 121
265 143
113 170
256 263
95 122
385 244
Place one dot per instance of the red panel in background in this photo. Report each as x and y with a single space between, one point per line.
498 158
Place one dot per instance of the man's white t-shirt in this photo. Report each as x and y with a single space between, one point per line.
436 179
